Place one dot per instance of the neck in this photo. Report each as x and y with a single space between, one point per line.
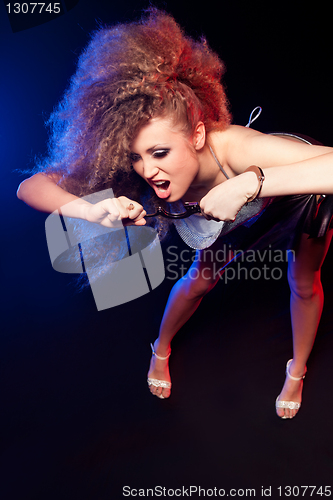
209 175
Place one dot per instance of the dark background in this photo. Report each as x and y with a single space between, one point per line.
78 420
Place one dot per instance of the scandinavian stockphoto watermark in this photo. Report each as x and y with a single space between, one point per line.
122 264
267 264
189 491
218 492
26 15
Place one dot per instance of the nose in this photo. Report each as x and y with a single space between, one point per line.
150 170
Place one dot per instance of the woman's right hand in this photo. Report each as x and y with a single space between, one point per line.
115 212
43 193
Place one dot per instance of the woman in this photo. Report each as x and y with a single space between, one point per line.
146 114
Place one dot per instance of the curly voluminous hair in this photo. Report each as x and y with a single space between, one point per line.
128 74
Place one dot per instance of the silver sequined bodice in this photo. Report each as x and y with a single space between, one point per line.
199 233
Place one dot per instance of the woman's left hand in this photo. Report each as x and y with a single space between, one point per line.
224 201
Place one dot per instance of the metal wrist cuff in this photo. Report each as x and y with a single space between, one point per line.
261 177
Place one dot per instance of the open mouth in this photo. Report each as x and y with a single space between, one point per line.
162 185
162 188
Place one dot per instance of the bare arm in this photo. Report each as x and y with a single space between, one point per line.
289 167
42 193
313 176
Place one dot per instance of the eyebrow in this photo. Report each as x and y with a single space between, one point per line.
153 148
157 146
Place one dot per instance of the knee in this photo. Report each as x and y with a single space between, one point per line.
198 284
305 287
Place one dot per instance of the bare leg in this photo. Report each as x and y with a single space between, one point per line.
184 299
306 306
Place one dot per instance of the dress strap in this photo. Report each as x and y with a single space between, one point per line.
219 164
253 117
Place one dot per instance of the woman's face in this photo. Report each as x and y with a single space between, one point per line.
165 158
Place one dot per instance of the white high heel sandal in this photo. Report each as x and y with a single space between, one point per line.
288 404
155 382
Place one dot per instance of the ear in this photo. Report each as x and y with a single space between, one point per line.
199 136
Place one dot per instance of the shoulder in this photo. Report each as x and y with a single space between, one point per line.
232 146
232 132
244 146
232 138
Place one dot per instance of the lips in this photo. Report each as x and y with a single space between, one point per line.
162 188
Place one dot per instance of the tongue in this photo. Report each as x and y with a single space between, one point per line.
163 191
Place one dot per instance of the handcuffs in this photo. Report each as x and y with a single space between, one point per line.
190 209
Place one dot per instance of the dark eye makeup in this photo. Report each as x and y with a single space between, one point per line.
160 153
157 153
134 157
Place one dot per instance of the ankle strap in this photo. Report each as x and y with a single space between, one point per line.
162 358
288 372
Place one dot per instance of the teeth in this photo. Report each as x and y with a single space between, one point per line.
162 185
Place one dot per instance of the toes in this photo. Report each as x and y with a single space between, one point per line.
286 413
161 392
280 412
293 413
158 392
166 393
